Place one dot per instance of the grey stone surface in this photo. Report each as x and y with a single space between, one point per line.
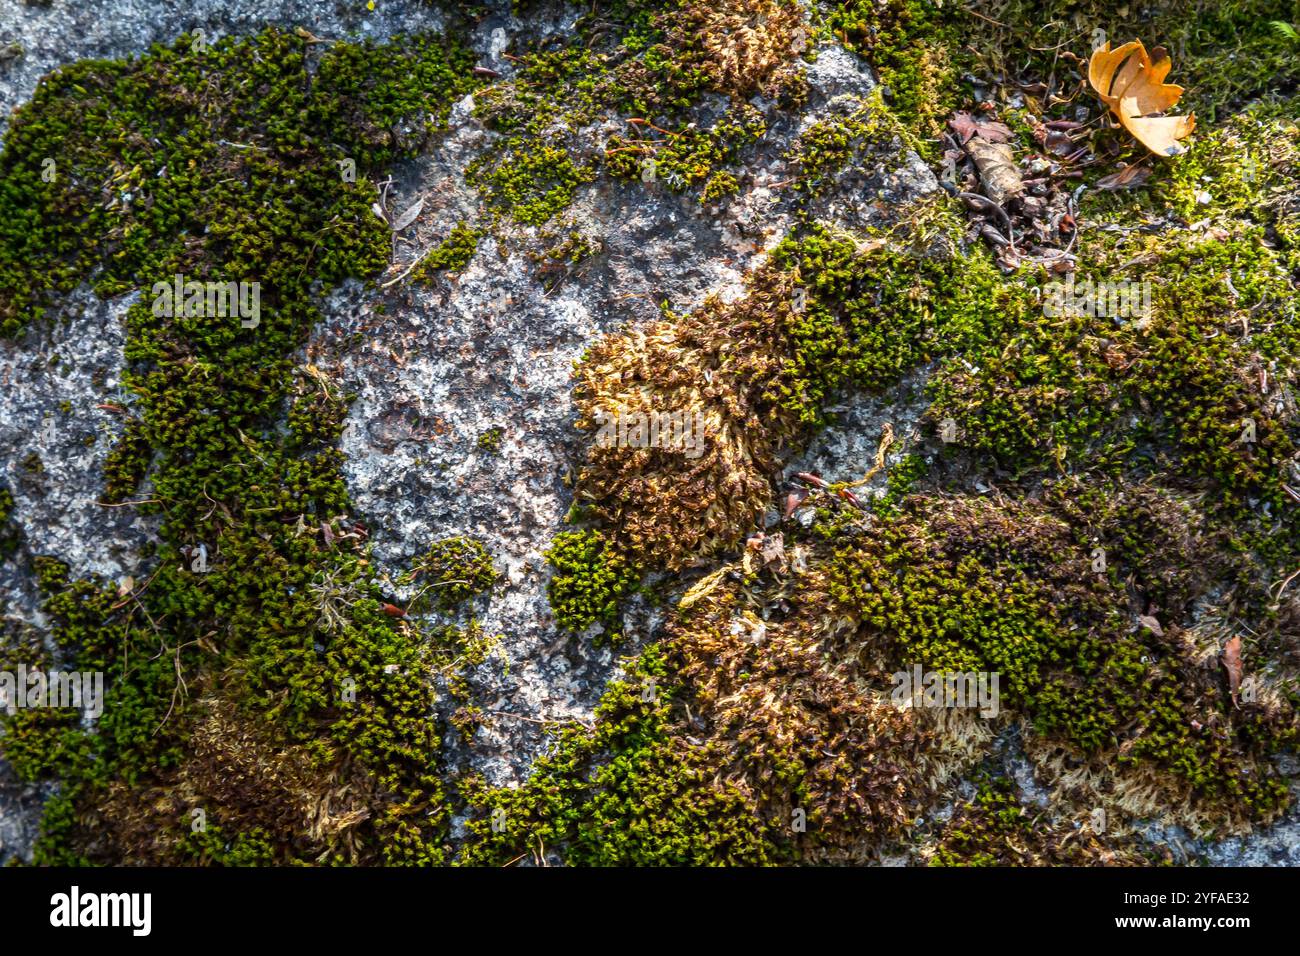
60 382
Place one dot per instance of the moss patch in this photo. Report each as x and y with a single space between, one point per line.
259 651
589 580
450 572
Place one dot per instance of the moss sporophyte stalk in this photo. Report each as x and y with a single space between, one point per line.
1093 507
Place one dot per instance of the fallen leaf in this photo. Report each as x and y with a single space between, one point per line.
1059 144
966 126
993 236
792 502
773 550
1130 177
1151 624
408 217
997 167
1131 83
1232 664
815 480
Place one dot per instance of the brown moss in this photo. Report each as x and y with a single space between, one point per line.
993 828
240 779
747 46
715 367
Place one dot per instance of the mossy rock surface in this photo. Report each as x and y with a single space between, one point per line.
611 410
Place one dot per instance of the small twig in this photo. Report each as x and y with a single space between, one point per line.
408 269
886 440
1293 576
658 129
1002 214
539 720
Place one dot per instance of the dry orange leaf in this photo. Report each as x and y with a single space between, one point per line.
1132 84
1232 664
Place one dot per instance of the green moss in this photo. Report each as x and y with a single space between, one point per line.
127 463
452 254
690 156
530 183
651 63
590 578
843 137
994 828
9 533
916 47
457 651
563 258
965 586
872 313
451 572
224 163
626 792
371 91
212 846
1116 392
490 440
902 479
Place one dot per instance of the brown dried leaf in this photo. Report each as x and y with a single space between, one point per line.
1131 83
1059 144
773 550
408 217
1130 177
966 126
792 502
1232 664
997 168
